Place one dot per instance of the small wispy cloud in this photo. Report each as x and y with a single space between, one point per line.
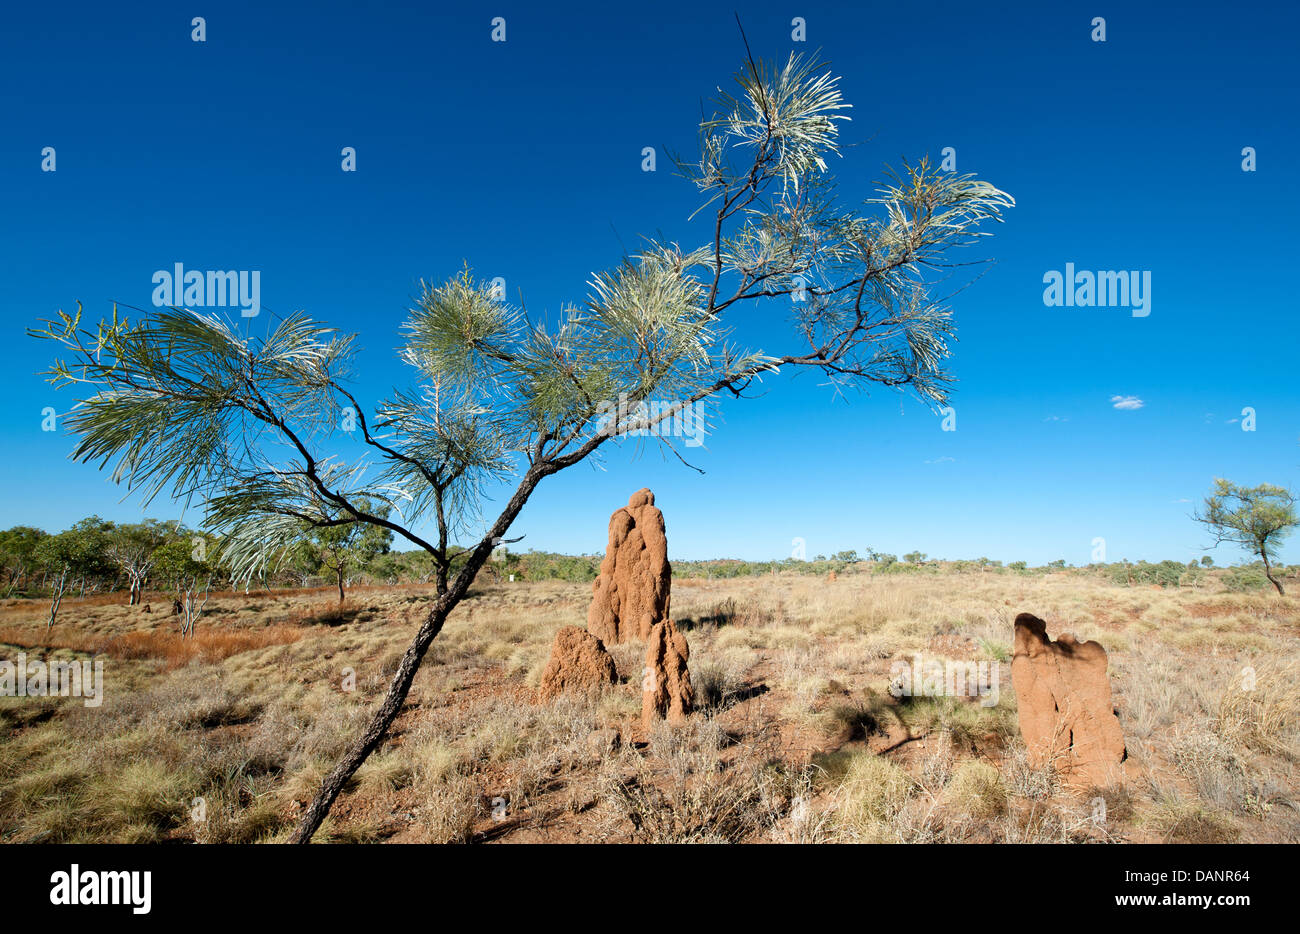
1182 501
1057 418
1126 403
1232 421
941 460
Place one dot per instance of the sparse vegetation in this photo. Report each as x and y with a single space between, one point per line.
1254 518
798 739
178 402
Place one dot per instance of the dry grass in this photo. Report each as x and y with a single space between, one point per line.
976 788
167 646
1260 709
871 794
208 646
797 738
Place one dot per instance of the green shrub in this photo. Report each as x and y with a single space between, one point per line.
976 789
1243 580
1165 574
874 790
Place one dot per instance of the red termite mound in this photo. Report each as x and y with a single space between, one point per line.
579 663
1063 695
631 594
666 692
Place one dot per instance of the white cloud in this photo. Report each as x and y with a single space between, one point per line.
1057 418
941 460
1127 403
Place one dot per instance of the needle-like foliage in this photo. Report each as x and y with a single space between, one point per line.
179 403
1257 518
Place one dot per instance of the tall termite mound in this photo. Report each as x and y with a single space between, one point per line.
632 592
1063 696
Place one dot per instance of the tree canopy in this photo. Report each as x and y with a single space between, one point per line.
1256 518
181 403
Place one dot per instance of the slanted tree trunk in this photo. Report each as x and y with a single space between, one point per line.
1268 572
379 724
414 655
59 587
340 576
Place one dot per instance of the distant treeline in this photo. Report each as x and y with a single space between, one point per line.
538 565
97 556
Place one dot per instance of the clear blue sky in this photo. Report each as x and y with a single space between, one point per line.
524 159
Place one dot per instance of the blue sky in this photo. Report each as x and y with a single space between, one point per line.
524 159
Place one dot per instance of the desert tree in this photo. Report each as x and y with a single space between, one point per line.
345 546
189 570
386 568
180 402
18 552
1257 518
301 564
131 547
70 559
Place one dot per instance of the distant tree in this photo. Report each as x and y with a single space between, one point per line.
18 553
915 557
1018 565
185 402
95 569
1058 563
131 548
185 564
302 562
1207 561
58 555
419 565
386 568
886 559
71 558
512 562
1256 518
345 544
849 556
